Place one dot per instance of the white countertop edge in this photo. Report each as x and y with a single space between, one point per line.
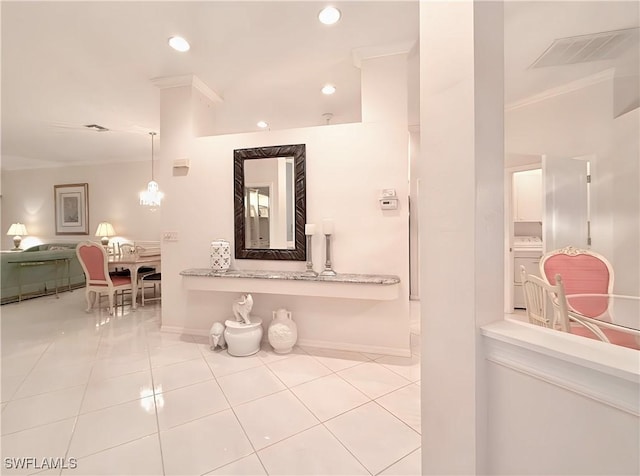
603 372
590 353
348 278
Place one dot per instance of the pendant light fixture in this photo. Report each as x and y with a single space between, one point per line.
152 196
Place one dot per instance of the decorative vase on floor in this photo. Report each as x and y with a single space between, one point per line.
283 332
220 256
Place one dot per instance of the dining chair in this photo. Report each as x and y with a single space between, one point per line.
113 249
546 306
94 260
155 282
545 303
583 272
127 249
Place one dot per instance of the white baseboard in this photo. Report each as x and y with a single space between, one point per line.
371 349
184 330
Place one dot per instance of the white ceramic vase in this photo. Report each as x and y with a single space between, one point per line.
283 332
220 254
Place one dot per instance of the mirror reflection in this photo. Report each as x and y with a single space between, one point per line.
270 202
269 195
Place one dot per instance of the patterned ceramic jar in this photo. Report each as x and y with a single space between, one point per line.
220 255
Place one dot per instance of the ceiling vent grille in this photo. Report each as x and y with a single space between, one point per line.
581 49
96 127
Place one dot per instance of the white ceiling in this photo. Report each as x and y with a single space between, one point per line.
66 64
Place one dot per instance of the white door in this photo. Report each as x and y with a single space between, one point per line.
566 202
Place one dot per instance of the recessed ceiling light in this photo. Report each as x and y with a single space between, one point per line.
329 15
262 124
328 89
178 43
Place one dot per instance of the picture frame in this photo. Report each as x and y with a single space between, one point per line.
72 208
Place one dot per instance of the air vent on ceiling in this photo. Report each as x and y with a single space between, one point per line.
581 49
96 127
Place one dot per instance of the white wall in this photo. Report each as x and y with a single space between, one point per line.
27 196
624 171
568 125
540 428
581 123
347 166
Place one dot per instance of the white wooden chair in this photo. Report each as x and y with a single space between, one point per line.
546 304
130 249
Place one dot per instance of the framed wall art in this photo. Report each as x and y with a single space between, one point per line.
72 208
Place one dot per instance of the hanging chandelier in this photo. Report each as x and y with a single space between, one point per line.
152 196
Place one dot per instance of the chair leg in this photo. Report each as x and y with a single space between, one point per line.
111 303
88 296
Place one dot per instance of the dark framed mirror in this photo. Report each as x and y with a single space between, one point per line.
270 202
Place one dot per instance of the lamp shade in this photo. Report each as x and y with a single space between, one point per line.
105 229
17 229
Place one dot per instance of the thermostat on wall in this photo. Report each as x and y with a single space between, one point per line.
389 200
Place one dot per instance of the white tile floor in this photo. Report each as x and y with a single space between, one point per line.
122 398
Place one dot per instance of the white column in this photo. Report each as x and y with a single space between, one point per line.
186 112
461 221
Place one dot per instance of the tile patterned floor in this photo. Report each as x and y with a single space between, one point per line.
114 395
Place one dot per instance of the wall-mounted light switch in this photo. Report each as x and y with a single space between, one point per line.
388 200
170 236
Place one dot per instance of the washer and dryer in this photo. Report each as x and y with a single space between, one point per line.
527 251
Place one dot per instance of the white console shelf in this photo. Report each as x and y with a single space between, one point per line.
349 286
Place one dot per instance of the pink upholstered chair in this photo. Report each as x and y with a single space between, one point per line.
547 307
94 261
585 272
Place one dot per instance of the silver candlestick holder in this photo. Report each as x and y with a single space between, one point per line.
328 271
309 271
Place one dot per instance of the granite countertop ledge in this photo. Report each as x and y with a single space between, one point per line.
383 279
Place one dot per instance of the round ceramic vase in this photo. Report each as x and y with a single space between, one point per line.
283 332
220 254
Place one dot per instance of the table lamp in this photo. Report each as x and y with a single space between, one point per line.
18 230
105 230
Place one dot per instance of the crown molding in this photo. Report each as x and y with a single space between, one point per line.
187 80
607 74
370 52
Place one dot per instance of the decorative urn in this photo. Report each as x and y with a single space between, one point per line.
220 254
283 332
